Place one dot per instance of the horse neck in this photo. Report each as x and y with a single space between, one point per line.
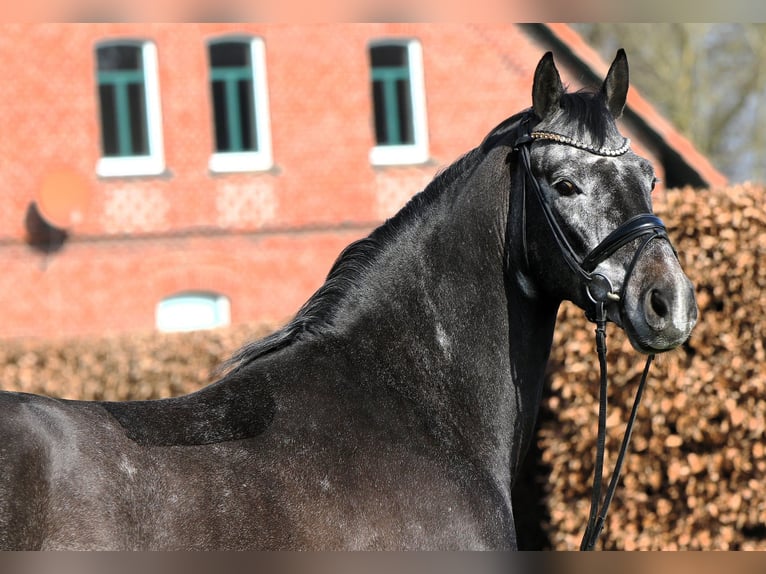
452 329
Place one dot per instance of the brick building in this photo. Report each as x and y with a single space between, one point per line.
176 176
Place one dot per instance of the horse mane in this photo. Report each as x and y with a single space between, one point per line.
317 315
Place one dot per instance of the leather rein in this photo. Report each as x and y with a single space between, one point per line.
599 291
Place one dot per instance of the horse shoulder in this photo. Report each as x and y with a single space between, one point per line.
359 443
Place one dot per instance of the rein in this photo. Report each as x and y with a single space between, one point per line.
599 291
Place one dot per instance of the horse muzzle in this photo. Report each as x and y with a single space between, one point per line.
659 309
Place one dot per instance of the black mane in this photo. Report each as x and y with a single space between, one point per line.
319 312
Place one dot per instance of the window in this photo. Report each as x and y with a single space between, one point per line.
398 97
242 140
131 124
192 311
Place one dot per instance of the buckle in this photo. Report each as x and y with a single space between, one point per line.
600 290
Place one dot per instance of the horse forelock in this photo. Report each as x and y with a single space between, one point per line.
586 113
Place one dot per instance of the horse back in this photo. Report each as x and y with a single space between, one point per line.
330 461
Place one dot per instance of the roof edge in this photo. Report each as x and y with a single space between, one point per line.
675 149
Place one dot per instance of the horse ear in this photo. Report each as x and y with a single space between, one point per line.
547 88
615 87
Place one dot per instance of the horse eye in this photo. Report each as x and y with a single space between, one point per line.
565 187
655 181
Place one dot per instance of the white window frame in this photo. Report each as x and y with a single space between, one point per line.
417 152
261 160
168 319
154 163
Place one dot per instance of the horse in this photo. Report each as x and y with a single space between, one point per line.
394 410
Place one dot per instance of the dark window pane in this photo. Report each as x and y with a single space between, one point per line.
381 133
229 54
246 115
119 58
108 121
137 105
392 95
233 98
222 140
404 98
387 56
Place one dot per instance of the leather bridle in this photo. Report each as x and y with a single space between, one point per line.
599 291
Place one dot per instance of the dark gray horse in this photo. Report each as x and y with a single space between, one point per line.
395 409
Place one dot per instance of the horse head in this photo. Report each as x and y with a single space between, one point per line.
588 198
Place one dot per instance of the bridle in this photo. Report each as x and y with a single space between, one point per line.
599 291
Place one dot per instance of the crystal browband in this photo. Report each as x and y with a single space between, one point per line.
610 152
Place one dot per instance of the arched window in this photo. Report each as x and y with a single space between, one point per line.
129 102
239 96
192 311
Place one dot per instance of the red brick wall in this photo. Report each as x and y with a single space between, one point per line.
265 240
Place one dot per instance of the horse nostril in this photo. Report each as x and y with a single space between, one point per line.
658 303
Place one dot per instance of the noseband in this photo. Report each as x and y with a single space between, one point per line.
599 291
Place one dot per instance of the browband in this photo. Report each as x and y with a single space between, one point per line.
562 139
